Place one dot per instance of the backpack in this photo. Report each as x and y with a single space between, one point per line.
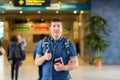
15 51
66 42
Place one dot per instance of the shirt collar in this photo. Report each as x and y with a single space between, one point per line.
58 39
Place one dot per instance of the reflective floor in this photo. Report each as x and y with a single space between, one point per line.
28 71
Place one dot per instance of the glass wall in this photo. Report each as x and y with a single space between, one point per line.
1 30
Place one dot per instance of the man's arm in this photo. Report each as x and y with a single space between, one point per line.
39 60
73 63
24 43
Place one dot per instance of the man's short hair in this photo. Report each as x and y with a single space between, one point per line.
55 20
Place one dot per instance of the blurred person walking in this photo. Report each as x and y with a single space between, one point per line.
23 44
14 56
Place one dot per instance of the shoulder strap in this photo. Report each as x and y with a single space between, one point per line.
45 44
67 41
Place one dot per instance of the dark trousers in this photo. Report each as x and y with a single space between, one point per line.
14 68
23 55
40 72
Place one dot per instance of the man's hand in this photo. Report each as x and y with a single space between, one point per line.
73 63
47 56
58 67
39 60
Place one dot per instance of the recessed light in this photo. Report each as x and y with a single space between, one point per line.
81 12
21 12
3 12
75 12
10 2
57 12
39 12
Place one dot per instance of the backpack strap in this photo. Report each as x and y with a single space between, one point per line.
67 41
67 45
45 44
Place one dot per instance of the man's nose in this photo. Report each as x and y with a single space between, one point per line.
56 27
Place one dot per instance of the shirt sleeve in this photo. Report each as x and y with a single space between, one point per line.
24 43
73 52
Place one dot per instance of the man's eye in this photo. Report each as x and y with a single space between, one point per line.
58 26
53 25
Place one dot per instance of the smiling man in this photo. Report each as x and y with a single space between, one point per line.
56 54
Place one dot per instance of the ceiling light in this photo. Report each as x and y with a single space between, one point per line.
81 12
57 12
3 12
75 12
39 12
21 12
79 23
10 2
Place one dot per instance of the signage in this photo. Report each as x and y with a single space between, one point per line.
66 28
54 6
40 27
21 27
32 3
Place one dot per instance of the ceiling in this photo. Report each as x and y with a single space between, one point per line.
48 14
52 1
34 15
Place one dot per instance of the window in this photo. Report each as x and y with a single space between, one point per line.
1 30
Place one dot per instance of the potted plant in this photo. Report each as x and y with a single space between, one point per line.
96 37
97 60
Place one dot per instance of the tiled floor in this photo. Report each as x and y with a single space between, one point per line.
28 71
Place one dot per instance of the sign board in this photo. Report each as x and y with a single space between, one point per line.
32 3
53 6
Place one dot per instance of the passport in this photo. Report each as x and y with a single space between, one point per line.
58 60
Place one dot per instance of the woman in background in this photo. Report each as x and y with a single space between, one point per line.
14 56
23 44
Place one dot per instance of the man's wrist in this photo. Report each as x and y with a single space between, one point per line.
43 57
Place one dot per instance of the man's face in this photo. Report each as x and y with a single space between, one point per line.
56 29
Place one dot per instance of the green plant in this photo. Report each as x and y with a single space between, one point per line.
96 37
96 58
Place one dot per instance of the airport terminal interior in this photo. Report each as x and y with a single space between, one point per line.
32 21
